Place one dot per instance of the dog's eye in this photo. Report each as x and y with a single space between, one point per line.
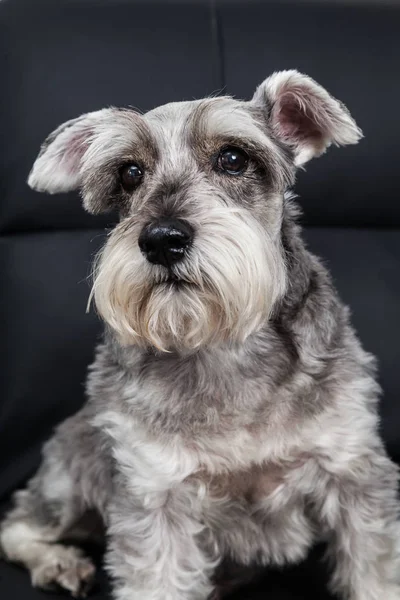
233 160
131 175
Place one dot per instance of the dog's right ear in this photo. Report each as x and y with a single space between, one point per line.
58 166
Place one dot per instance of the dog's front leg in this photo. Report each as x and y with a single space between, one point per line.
359 505
155 550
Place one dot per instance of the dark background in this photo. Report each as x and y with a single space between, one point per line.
61 58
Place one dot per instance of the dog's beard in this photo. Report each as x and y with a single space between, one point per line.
224 290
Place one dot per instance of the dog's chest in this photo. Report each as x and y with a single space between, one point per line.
202 422
201 395
250 486
241 467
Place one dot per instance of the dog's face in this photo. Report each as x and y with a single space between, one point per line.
196 258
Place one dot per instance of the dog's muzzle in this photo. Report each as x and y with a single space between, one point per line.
166 241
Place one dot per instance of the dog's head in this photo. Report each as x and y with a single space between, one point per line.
196 258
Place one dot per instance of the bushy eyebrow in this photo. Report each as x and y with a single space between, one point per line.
126 137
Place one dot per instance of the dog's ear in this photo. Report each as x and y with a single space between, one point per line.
303 115
58 165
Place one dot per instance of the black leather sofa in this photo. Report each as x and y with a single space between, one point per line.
61 58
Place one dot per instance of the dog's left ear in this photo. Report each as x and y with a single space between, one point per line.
303 115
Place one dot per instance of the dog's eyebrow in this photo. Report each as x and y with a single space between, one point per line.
221 116
127 135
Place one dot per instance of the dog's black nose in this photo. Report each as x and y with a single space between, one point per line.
164 242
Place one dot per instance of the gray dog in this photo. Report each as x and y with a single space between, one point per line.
231 412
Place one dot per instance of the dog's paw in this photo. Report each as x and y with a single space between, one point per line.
66 568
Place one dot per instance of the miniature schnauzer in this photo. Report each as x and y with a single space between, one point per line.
232 412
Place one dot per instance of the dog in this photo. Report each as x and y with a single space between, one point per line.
232 413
